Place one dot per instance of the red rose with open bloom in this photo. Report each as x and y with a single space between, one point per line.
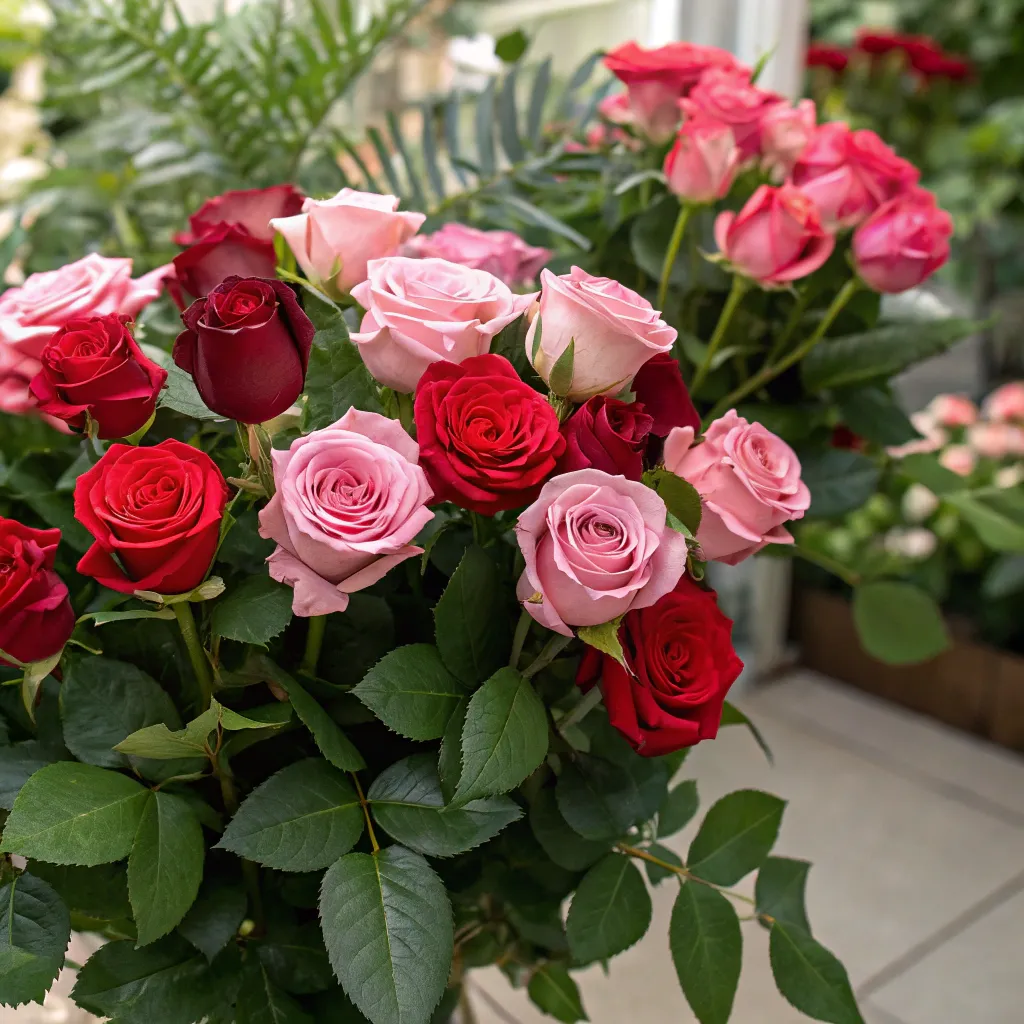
246 346
821 55
35 614
659 388
681 664
251 208
606 434
487 440
157 511
93 365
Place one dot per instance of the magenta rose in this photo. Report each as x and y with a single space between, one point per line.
749 483
420 312
595 546
350 501
659 388
785 133
251 208
501 253
606 434
702 164
728 96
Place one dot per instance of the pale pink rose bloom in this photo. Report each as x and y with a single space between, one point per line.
1006 402
1009 476
785 132
702 164
334 239
952 410
595 546
996 440
615 330
749 483
932 439
426 311
350 500
16 373
728 95
959 459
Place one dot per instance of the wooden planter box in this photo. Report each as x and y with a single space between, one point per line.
969 686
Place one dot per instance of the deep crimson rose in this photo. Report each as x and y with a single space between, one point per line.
251 208
606 434
157 511
93 365
843 437
681 664
246 346
878 44
223 251
35 614
487 440
659 388
821 55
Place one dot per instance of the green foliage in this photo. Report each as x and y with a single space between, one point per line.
552 990
567 848
610 911
333 743
678 808
997 515
838 480
254 612
874 414
898 622
779 892
214 917
810 977
735 837
36 932
260 1001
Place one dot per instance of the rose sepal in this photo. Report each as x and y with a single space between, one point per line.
206 591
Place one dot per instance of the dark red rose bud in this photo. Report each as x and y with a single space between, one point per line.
251 208
659 388
844 437
246 346
35 614
606 434
93 365
487 440
681 664
223 251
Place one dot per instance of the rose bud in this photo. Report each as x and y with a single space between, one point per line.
952 410
821 55
680 663
728 96
246 346
659 388
36 618
1006 403
501 253
93 366
959 459
903 242
785 132
615 331
776 238
252 209
702 164
606 434
749 482
487 440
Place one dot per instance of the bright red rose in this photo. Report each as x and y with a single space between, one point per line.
157 511
681 665
606 434
246 346
487 440
35 614
821 55
659 388
252 209
223 251
93 365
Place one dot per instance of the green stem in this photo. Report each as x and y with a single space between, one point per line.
196 654
672 252
732 303
314 641
366 813
551 650
848 576
250 870
522 629
583 707
792 322
406 412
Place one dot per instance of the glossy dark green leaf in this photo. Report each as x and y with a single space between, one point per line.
566 847
810 977
333 743
678 808
839 481
295 958
538 98
610 911
736 836
254 611
260 1001
601 799
552 990
100 892
35 934
780 888
18 763
656 873
215 917
898 623
874 414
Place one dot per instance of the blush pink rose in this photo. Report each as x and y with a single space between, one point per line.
595 546
1006 402
776 238
350 500
933 437
334 239
501 253
729 96
420 312
952 410
615 329
959 459
702 164
996 440
785 132
749 483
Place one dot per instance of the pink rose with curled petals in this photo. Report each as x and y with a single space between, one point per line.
350 500
702 164
729 96
996 440
595 546
1006 403
785 132
334 239
952 410
749 483
959 459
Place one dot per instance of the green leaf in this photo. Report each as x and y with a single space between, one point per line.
165 866
412 692
542 219
296 958
215 917
925 468
428 146
387 924
17 765
874 414
34 937
31 484
780 888
333 743
508 119
254 612
260 1001
449 761
556 994
471 620
181 395
736 836
604 638
678 808
996 514
301 819
100 892
407 802
70 813
680 497
1004 578
416 196
564 846
898 623
504 739
610 911
731 715
655 872
511 46
707 950
538 96
810 977
560 375
839 481
484 122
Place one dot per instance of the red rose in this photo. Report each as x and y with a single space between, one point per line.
659 388
246 346
606 434
681 665
821 55
157 511
878 44
35 614
225 250
843 437
252 209
93 365
488 441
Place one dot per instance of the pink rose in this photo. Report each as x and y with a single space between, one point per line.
849 174
595 546
16 374
749 483
350 500
959 459
615 330
420 312
996 440
932 439
501 253
952 410
903 242
702 164
617 109
1006 402
334 239
785 132
776 238
728 95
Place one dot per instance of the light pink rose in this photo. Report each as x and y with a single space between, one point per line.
952 410
16 398
350 500
728 95
702 164
785 132
616 331
749 483
996 440
420 312
959 459
1006 402
334 239
595 546
933 437
501 253
617 109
